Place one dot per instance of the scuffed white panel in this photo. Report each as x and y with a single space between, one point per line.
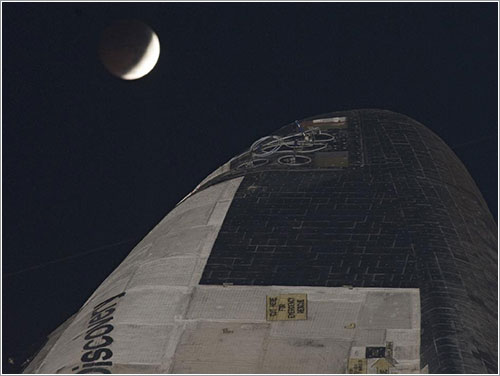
386 310
104 292
358 352
183 216
170 271
151 306
197 216
324 343
324 320
208 243
234 303
134 369
406 352
186 242
140 344
406 367
404 336
320 294
230 188
215 347
370 337
219 212
299 355
223 330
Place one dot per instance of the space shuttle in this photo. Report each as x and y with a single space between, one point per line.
349 242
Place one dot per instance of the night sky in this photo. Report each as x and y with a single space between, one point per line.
91 163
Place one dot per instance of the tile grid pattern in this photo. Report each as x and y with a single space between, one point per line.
410 217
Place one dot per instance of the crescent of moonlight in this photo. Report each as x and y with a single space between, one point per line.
147 62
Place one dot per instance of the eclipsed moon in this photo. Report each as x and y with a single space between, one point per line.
129 49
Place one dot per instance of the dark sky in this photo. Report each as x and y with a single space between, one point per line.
90 160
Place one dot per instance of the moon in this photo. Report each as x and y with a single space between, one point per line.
129 49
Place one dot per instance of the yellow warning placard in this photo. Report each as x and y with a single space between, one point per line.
286 307
382 365
357 365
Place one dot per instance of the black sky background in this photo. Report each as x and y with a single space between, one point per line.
90 160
